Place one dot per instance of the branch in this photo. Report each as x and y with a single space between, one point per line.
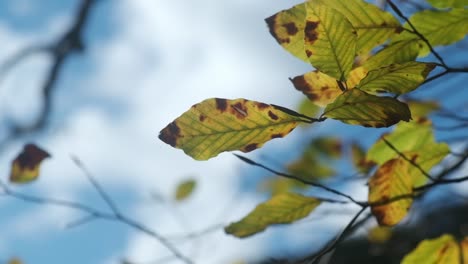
297 178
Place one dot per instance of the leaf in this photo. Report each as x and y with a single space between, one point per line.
277 185
448 3
464 250
358 156
416 141
373 25
330 40
396 78
360 108
15 261
422 108
185 189
309 167
322 89
307 108
389 181
281 209
441 250
217 125
328 147
397 52
434 25
25 167
379 234
287 27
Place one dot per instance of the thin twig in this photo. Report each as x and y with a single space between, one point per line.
297 178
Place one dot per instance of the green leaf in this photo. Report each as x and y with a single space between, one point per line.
287 27
373 25
281 209
396 78
448 3
438 27
397 52
310 168
25 167
441 250
391 180
330 40
360 108
217 125
185 189
277 185
307 108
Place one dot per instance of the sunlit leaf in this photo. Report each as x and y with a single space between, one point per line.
358 156
185 189
287 27
441 250
448 3
379 234
281 209
389 181
396 78
464 250
25 167
426 157
422 108
397 52
330 40
438 27
322 89
216 125
374 26
360 108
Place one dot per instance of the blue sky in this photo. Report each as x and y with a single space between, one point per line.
146 62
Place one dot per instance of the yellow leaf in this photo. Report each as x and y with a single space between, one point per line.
322 89
389 181
438 27
379 234
373 25
422 108
396 78
464 250
330 40
360 108
441 250
185 189
287 27
25 167
358 156
15 261
217 125
307 108
448 3
281 209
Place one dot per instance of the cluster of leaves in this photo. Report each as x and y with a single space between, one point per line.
364 59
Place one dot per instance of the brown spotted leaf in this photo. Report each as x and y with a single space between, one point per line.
283 208
396 78
25 167
330 40
391 180
360 108
322 89
358 157
217 125
373 25
441 250
287 27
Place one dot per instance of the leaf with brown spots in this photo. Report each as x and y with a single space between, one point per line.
25 167
330 40
373 25
389 181
283 208
441 250
287 27
417 142
396 78
360 108
322 89
217 125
